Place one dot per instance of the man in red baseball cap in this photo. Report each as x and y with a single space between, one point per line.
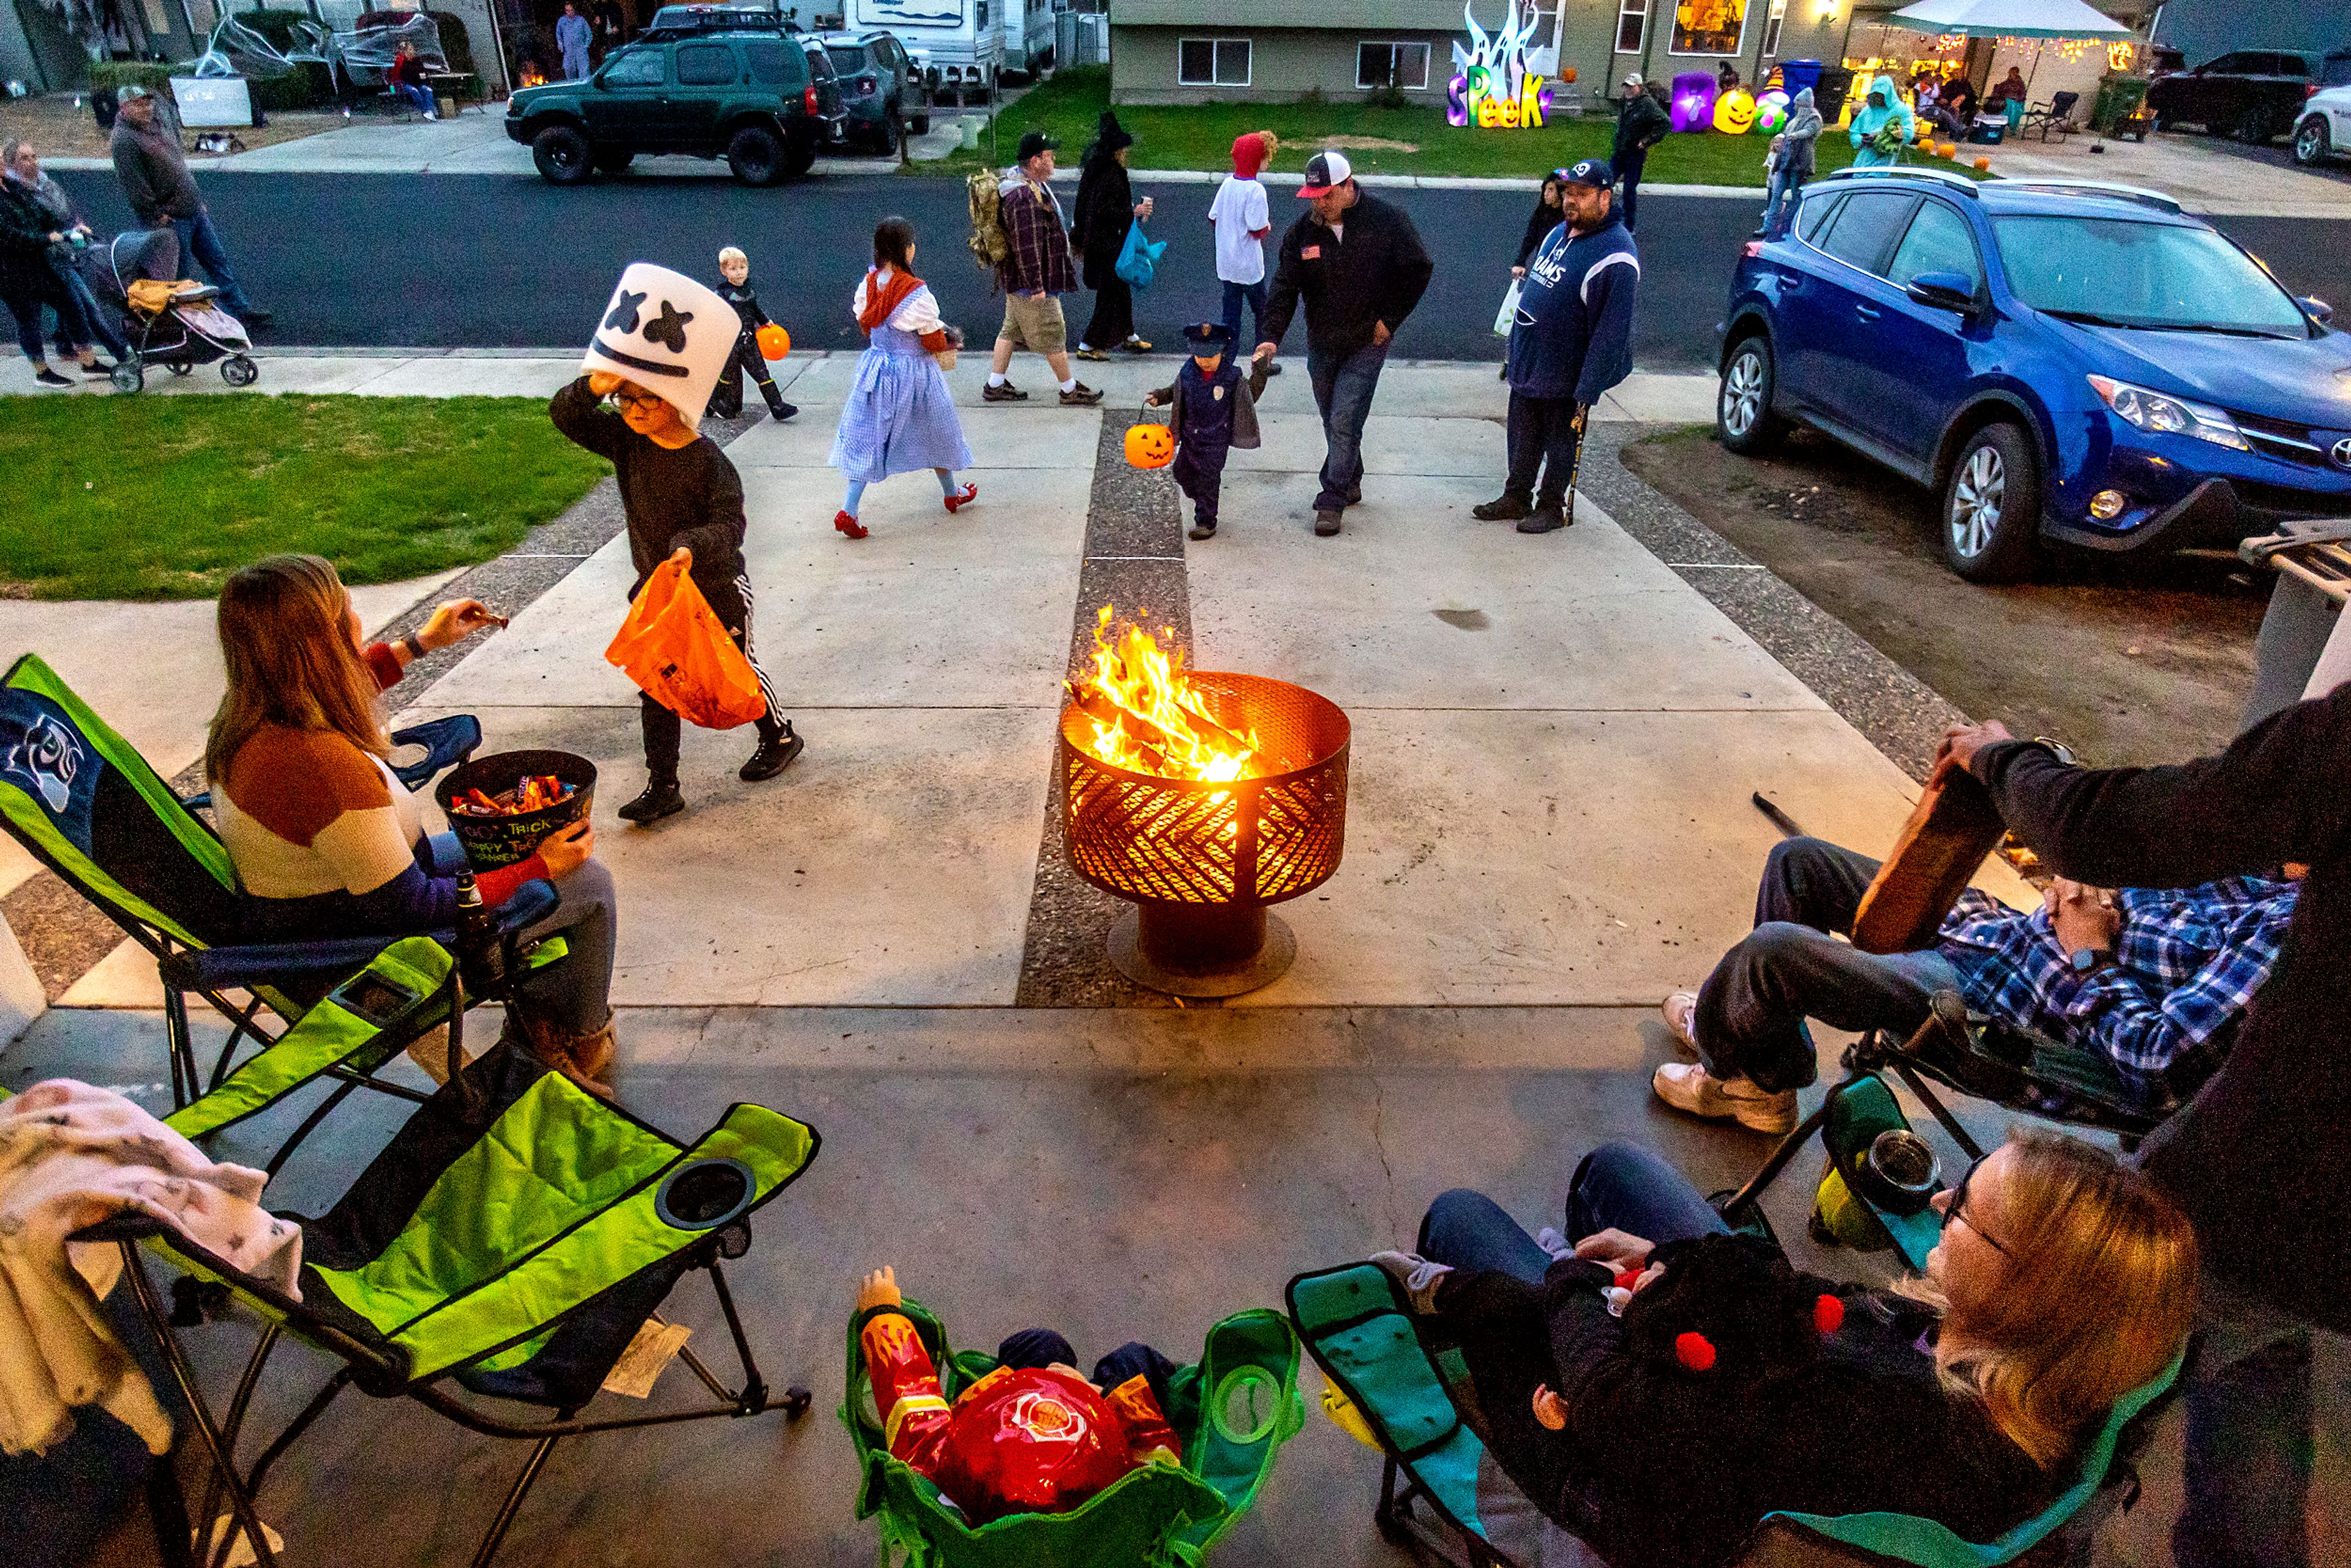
1358 263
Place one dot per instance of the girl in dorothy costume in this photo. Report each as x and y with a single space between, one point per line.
899 416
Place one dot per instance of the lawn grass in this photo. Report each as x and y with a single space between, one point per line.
161 497
1200 136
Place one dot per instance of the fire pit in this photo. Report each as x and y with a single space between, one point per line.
1202 796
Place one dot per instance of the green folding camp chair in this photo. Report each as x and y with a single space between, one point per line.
506 1244
1233 1409
1408 1401
87 805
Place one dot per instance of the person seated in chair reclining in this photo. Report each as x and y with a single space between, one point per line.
2156 982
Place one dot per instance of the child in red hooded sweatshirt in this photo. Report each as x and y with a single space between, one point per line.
1242 222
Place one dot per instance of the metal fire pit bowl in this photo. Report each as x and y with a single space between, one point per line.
1201 861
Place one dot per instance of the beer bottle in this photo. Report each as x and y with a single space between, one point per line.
481 960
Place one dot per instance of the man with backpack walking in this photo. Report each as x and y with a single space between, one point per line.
1036 269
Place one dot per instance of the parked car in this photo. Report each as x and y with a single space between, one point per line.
2254 95
957 45
877 84
2061 361
677 21
2325 128
760 96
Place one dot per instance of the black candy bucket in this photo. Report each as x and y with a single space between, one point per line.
494 841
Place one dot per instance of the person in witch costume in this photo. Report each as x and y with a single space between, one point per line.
658 352
1214 411
735 270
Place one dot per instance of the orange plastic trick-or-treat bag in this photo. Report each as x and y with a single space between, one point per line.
672 647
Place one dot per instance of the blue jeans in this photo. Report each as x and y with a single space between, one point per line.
1618 1187
1254 294
94 316
1343 385
25 305
575 992
201 243
421 97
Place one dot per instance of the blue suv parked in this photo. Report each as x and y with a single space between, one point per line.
2061 361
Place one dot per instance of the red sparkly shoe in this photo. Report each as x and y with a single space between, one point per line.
963 498
849 525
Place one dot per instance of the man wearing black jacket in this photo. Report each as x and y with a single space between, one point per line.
2260 1159
1359 264
1641 123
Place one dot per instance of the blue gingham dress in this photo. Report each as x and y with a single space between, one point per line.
899 417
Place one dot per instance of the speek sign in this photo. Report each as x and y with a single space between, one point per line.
1491 85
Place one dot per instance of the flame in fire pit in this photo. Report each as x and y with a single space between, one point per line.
1147 718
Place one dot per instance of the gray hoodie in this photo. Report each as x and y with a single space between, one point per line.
1803 132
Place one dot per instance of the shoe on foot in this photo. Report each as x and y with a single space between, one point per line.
1550 1240
850 526
1202 532
1418 1277
1006 392
1272 369
780 411
1687 1086
256 316
1326 523
1087 351
775 753
660 799
1544 520
98 372
961 498
1503 509
1135 345
50 378
1680 1012
1355 495
1081 396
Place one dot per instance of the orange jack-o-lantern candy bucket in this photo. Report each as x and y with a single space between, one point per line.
1150 445
774 341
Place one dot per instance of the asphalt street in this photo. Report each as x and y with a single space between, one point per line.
489 261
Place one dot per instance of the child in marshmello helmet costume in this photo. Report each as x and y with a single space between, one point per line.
657 353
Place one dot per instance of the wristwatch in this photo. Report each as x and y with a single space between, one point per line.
415 648
2090 960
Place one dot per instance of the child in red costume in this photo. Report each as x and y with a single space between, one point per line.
1032 1437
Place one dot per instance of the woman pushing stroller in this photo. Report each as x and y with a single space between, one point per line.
38 237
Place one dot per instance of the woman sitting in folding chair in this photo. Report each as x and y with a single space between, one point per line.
326 841
2063 1283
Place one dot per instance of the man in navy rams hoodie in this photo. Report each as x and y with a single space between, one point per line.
1572 341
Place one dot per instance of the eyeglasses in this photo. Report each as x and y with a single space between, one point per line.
625 399
1958 1210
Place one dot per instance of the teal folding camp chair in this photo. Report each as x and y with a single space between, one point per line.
87 805
1408 1401
1233 1409
506 1245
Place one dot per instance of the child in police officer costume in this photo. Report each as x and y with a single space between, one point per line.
1571 342
656 355
1214 411
735 287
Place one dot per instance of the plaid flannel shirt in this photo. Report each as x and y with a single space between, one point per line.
2187 964
1039 258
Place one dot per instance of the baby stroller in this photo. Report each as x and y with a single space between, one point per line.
166 319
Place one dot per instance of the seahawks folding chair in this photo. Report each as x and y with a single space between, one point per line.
87 805
1233 1409
1444 1498
507 1245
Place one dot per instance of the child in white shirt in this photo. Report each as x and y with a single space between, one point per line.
1242 220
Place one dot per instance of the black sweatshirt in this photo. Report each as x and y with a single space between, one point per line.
747 304
1374 271
2260 1158
1674 1468
1539 222
689 498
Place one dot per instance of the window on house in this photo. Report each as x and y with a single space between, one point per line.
1391 65
1708 27
1631 24
1771 27
1212 62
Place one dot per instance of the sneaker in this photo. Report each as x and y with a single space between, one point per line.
775 753
256 316
1202 532
780 411
50 378
1355 495
1008 392
1502 508
1544 520
1135 345
1418 1277
850 526
1087 351
1687 1086
1326 524
98 372
1272 369
660 799
1081 396
961 498
1680 1012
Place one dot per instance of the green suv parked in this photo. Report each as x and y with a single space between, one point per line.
765 98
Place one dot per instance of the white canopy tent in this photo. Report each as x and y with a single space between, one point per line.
2011 19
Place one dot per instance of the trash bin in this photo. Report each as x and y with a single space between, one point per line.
1797 75
2118 99
1836 86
